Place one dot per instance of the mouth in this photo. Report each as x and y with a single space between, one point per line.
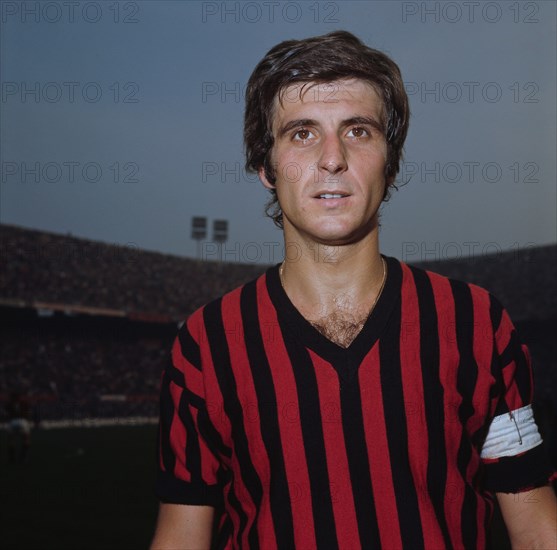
331 195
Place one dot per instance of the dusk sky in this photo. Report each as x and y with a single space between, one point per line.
120 121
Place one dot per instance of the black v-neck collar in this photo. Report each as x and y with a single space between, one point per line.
293 321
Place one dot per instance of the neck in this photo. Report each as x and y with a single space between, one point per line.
323 280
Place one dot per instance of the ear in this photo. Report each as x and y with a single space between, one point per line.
266 183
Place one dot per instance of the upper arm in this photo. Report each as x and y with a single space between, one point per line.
184 527
513 454
190 475
530 517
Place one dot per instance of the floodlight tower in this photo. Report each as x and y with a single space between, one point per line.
199 231
220 233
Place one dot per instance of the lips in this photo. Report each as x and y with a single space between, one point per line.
331 195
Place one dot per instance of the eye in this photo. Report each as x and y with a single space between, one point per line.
303 135
358 132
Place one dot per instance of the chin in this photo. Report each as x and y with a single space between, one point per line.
331 232
339 238
345 234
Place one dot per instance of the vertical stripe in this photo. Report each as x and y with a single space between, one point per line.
189 348
337 462
281 508
220 359
504 331
483 351
448 360
524 380
434 398
241 367
236 513
184 438
378 451
211 436
397 433
215 414
483 329
289 425
497 405
223 535
512 395
466 381
517 374
257 470
314 442
419 367
358 463
208 464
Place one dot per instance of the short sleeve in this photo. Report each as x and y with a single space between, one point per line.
513 452
188 466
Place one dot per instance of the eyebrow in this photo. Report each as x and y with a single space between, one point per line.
295 124
366 120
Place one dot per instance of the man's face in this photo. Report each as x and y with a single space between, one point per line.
329 157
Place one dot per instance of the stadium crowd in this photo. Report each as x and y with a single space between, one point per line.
81 368
74 367
55 268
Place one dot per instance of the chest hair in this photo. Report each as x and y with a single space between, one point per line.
340 327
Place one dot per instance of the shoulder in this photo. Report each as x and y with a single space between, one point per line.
205 330
451 291
437 278
196 323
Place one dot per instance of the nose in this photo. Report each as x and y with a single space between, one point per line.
333 155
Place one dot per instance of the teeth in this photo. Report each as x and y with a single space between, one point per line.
330 196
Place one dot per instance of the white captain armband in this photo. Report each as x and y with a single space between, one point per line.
511 434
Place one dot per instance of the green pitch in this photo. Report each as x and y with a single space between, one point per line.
82 488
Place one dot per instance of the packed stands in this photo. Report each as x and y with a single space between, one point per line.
88 326
50 268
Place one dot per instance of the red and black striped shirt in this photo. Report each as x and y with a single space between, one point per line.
305 444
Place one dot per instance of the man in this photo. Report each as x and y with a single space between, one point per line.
344 399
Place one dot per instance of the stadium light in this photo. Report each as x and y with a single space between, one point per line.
199 228
220 231
199 231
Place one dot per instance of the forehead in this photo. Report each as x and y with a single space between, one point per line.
338 96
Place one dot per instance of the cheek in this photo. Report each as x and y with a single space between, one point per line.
370 170
294 172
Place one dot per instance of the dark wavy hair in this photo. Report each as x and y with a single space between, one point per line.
335 56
